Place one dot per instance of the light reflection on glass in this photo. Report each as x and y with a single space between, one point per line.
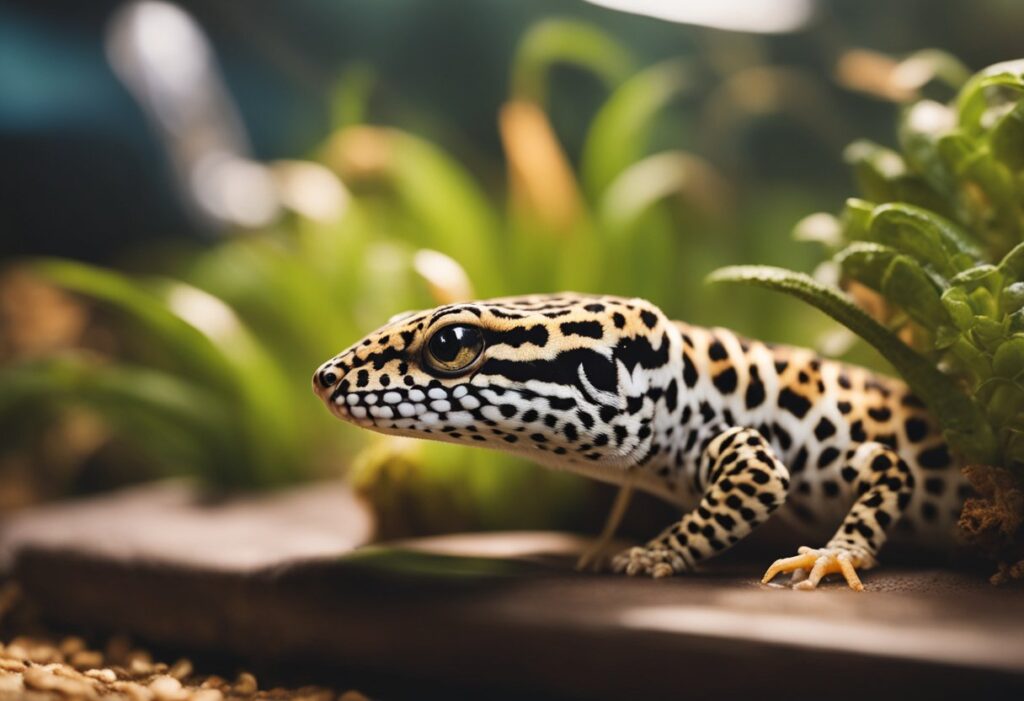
760 16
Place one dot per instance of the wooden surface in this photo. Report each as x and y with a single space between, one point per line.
276 581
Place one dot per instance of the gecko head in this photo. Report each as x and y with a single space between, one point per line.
567 379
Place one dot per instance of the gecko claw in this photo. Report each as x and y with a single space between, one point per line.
812 564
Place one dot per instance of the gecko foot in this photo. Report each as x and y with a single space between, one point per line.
652 560
811 564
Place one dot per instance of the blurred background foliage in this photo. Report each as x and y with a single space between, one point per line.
203 201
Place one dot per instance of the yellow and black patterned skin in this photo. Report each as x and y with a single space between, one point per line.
728 429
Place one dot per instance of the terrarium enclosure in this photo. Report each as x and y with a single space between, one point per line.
201 202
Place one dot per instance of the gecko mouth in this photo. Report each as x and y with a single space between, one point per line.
405 408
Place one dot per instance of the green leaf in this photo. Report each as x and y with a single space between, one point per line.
178 424
986 89
1008 360
182 344
1007 138
958 306
631 109
1012 264
876 169
565 41
856 218
924 235
1012 298
922 125
907 285
966 428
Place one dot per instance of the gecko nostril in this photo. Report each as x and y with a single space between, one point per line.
327 378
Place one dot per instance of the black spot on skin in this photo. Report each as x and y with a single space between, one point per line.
507 410
827 457
902 500
725 521
529 416
562 369
935 485
844 407
780 366
865 530
881 463
880 414
586 419
799 462
644 432
620 434
407 338
634 404
824 429
934 458
649 318
803 377
510 438
362 378
607 413
844 380
561 403
725 381
857 433
783 436
755 394
570 432
888 439
672 396
794 403
916 429
538 438
589 329
706 412
830 487
874 501
759 476
929 511
882 519
596 308
618 320
689 371
385 380
517 336
716 351
849 474
638 350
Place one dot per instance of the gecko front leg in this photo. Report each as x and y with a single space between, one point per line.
745 482
884 483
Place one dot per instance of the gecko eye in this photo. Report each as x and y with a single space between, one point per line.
453 349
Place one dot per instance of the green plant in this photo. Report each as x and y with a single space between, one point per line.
938 235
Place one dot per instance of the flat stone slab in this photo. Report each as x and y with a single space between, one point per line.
280 579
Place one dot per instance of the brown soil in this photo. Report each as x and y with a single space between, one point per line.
37 665
993 521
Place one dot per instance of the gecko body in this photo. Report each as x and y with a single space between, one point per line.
730 430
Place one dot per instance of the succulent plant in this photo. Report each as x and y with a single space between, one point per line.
936 237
